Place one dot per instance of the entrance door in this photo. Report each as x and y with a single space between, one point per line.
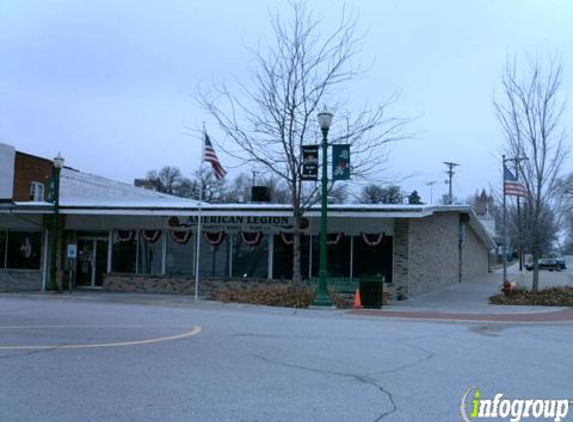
85 264
92 262
101 261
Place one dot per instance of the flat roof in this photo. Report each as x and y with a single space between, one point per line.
153 206
165 207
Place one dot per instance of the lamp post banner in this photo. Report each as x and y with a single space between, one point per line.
341 162
50 195
310 162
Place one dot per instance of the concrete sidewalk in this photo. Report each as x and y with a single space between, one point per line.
469 301
472 296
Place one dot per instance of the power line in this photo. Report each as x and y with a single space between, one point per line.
450 172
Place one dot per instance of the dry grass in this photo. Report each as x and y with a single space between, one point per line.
555 296
286 295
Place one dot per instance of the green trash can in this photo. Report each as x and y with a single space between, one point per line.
371 290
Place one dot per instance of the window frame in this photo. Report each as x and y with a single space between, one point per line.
37 191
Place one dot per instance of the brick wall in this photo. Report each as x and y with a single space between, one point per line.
27 169
433 247
433 253
172 284
20 280
401 254
474 256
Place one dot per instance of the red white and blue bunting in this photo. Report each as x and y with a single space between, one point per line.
151 236
214 238
373 239
287 238
331 238
334 238
252 239
124 236
180 236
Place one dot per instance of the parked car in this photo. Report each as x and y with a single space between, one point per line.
561 262
545 264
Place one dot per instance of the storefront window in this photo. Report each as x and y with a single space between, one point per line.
283 257
250 261
150 252
214 259
338 257
180 253
24 250
373 259
124 252
2 249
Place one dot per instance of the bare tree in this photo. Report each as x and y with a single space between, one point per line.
280 193
376 194
214 190
530 112
566 193
240 189
303 69
168 178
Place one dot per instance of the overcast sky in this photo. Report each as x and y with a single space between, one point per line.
109 83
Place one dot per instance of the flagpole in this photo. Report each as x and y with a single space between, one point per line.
504 259
199 219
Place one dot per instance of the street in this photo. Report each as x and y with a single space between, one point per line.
259 364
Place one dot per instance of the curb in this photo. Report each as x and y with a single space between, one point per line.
564 315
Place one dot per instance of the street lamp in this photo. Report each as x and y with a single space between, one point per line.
58 164
322 299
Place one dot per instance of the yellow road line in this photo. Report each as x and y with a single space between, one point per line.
24 327
194 330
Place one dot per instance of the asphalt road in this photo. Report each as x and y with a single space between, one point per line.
258 364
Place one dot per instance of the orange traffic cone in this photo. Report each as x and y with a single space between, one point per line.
357 301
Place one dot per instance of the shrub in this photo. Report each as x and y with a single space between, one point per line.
287 295
554 296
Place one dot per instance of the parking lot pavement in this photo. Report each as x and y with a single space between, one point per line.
546 278
260 364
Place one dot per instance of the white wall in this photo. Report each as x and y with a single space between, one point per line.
7 156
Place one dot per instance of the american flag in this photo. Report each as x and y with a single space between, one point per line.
210 156
511 186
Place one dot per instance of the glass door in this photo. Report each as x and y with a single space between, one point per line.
91 262
100 261
85 263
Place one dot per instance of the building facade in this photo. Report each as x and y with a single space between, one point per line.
133 239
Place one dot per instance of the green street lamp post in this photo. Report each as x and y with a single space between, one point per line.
58 164
322 299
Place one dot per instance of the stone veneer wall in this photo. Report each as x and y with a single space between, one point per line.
156 283
401 251
433 252
474 255
20 280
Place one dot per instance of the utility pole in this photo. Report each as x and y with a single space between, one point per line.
431 185
450 172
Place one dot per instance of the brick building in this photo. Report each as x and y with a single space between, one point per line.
130 238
